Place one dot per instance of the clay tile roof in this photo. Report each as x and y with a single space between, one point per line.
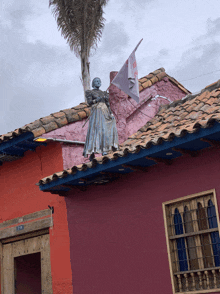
81 111
51 122
174 120
157 76
181 116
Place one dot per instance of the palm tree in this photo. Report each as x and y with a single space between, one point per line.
81 23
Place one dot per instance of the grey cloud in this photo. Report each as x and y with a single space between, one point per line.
18 12
213 27
194 65
35 79
129 5
114 37
199 66
163 52
110 51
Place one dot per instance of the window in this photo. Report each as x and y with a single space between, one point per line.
192 234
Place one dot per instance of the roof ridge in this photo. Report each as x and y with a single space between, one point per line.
156 76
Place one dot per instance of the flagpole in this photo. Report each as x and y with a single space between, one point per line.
138 45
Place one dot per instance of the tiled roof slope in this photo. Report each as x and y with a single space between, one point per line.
59 119
173 120
51 122
178 118
157 76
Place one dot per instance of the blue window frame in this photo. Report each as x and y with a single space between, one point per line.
193 239
214 235
180 242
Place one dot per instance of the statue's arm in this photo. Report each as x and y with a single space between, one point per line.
106 97
89 98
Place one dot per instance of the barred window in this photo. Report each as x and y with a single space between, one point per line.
192 234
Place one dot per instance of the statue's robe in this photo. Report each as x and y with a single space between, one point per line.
102 133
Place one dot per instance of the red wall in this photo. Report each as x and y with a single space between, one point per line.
20 196
117 235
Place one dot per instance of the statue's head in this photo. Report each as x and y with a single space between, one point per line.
96 83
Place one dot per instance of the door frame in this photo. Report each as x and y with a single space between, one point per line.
24 228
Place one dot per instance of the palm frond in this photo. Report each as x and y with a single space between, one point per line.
81 22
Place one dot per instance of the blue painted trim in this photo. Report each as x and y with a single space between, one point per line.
144 152
18 145
15 141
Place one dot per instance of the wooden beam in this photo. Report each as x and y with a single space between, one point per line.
26 236
110 175
135 167
213 143
184 151
159 160
67 186
82 180
193 233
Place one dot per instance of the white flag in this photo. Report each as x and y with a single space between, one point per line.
127 77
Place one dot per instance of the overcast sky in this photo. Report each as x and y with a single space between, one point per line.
39 74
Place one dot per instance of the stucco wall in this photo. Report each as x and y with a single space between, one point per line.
20 196
131 116
72 153
117 235
128 118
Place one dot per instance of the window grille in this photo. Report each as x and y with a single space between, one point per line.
192 233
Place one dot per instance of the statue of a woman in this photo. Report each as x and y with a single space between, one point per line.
102 135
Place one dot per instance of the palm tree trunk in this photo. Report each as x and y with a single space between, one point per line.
85 71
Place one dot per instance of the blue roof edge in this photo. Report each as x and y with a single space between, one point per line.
201 133
18 145
16 140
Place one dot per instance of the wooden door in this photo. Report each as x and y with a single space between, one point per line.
23 247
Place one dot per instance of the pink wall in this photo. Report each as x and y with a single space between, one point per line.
72 154
117 235
128 118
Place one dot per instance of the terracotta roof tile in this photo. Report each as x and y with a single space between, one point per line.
58 114
38 132
156 76
50 126
142 80
174 120
147 84
82 114
140 88
62 121
161 75
47 119
211 101
154 80
149 76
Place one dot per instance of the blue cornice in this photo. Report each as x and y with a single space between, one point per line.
15 141
166 145
15 147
